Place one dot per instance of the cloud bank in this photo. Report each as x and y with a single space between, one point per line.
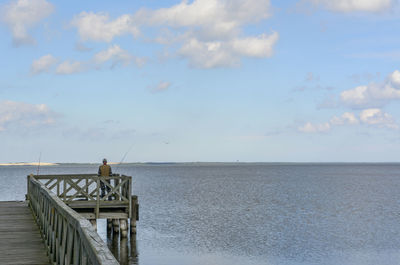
374 117
354 5
373 94
43 64
367 100
211 54
112 57
22 15
209 33
211 18
99 27
23 116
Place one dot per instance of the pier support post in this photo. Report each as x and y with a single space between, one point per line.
123 251
109 224
115 223
123 225
135 213
94 223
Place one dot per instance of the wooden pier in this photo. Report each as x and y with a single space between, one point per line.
57 223
81 192
20 239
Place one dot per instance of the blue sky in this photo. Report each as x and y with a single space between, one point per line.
203 80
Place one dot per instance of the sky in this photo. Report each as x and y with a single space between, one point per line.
200 81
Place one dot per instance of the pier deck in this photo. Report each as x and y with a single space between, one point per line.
20 240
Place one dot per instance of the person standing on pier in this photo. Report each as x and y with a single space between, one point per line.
105 171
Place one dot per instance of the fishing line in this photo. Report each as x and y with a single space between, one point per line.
123 158
38 168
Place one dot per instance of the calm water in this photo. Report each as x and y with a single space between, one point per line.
253 214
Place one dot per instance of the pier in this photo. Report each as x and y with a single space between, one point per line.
57 222
21 242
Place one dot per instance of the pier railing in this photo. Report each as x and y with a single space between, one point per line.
83 191
69 237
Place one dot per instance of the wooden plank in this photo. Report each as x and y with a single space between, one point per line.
20 240
48 183
111 215
64 176
88 216
93 204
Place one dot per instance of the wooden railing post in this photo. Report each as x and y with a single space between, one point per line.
97 197
87 186
65 188
116 182
129 196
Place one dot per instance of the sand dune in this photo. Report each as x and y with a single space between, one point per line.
28 164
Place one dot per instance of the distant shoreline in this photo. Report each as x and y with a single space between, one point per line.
29 164
198 163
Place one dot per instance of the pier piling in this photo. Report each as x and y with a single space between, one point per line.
134 213
123 224
115 223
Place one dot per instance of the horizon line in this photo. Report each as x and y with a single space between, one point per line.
199 162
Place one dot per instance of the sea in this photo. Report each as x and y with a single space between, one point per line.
251 213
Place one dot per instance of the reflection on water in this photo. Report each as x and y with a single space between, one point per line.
123 249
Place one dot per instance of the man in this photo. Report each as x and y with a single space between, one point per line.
105 171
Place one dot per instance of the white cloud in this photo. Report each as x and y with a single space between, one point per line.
377 117
20 115
373 94
113 54
207 54
355 5
227 53
394 78
117 56
367 98
372 117
21 15
43 64
68 67
346 118
209 32
315 128
98 27
215 18
161 86
212 30
356 96
260 46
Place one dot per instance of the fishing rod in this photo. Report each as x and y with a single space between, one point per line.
38 168
123 158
